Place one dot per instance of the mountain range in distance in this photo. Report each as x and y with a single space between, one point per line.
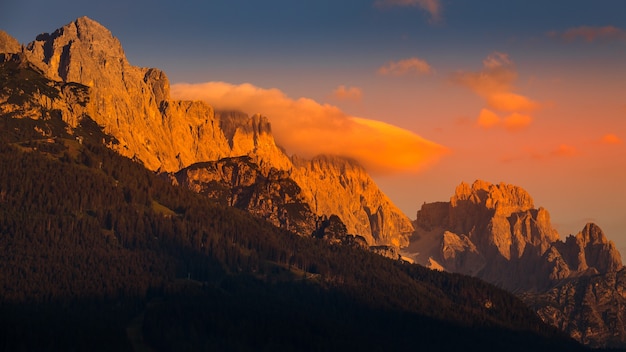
77 83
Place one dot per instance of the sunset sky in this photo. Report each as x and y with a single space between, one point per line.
425 93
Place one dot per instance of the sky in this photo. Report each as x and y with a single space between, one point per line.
424 93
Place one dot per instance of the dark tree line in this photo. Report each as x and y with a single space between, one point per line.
90 240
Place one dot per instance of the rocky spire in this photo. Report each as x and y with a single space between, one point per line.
8 44
494 231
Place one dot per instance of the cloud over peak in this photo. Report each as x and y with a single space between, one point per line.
410 66
307 128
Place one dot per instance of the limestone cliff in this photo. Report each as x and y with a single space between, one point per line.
8 44
133 105
496 233
592 309
335 185
240 183
26 93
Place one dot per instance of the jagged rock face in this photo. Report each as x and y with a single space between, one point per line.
252 135
26 93
335 185
133 105
592 309
494 232
8 44
589 249
239 182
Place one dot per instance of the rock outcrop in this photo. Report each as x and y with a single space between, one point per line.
592 309
241 183
26 93
133 105
8 44
340 186
494 232
486 230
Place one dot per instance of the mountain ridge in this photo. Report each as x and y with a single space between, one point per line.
133 105
86 84
494 232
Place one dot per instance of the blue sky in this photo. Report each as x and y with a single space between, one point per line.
559 65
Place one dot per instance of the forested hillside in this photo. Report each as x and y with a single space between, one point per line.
93 244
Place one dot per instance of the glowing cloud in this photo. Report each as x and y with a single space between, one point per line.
308 128
591 34
495 84
433 7
411 66
488 119
565 150
514 122
517 121
347 93
611 139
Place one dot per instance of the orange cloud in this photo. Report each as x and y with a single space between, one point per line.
565 150
347 93
517 121
308 128
495 84
591 34
414 65
488 119
433 7
611 139
507 101
514 122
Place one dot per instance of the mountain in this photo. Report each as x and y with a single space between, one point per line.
108 237
494 232
100 253
8 44
133 105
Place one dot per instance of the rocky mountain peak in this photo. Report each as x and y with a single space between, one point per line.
503 198
494 232
592 234
76 51
8 44
590 250
133 105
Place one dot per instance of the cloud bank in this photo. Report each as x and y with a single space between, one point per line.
495 84
411 66
308 128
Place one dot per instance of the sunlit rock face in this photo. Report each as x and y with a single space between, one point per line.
493 231
8 44
133 104
591 309
239 182
340 186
